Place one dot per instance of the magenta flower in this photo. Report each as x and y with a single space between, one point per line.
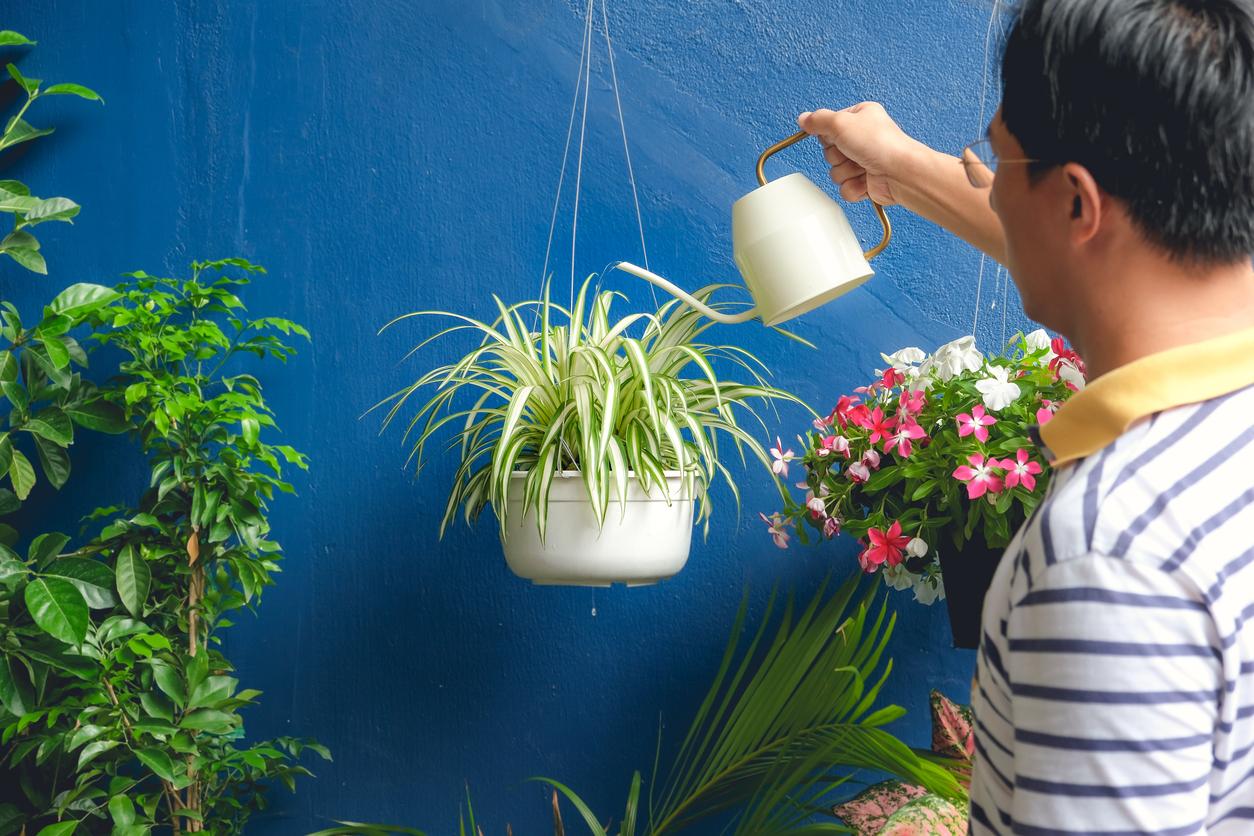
1046 412
885 547
831 526
841 413
976 423
979 477
833 444
880 426
1021 470
912 403
775 526
902 437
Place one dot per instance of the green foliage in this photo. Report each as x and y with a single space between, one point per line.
119 711
15 198
41 380
574 390
788 719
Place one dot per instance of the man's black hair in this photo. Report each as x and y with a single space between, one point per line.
1156 99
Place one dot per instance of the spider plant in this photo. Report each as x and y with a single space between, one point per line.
786 721
550 389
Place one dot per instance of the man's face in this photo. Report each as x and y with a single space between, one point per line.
1034 218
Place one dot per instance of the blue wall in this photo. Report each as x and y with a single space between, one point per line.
382 156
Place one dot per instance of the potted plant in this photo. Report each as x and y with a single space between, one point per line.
595 449
931 466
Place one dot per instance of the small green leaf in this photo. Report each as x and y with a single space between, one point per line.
6 453
121 810
28 258
210 720
46 546
58 608
169 681
22 474
52 424
99 415
159 762
94 579
64 828
30 85
80 299
93 749
250 429
73 90
136 392
10 38
51 209
55 461
8 367
133 580
10 694
57 352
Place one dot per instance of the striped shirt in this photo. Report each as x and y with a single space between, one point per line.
1114 687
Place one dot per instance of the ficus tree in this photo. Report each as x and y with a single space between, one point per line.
121 713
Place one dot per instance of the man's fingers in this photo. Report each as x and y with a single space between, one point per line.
833 155
846 171
820 122
854 190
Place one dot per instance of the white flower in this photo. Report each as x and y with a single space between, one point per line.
905 359
1037 340
928 590
954 358
898 577
1071 374
916 547
998 391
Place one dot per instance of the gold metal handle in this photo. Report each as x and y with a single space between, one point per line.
879 210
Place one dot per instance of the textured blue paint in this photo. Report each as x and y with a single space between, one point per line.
382 156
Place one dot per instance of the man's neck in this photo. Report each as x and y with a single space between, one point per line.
1160 305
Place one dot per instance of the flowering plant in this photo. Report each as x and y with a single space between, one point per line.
936 448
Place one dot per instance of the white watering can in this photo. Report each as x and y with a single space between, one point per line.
793 245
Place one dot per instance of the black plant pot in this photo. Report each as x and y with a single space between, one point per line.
968 573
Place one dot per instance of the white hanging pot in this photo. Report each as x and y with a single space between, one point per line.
644 543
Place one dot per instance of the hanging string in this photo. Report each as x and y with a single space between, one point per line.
584 55
631 176
1005 296
983 123
583 126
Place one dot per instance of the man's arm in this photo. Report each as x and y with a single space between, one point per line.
1115 682
869 154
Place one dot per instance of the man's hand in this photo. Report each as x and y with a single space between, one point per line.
865 148
870 155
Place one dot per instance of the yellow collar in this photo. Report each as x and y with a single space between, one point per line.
1104 410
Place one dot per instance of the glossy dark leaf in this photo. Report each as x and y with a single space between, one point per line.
93 578
133 579
55 461
58 608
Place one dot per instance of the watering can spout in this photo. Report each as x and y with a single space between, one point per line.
685 296
793 245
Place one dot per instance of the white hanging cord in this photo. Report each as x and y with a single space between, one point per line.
609 48
584 55
983 123
574 224
1005 296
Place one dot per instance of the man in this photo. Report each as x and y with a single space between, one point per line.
1115 681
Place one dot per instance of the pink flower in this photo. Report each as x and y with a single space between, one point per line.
976 423
859 416
871 458
902 437
831 526
780 466
885 547
912 403
818 508
1046 412
858 473
880 426
1021 471
775 526
979 477
841 413
833 444
891 378
823 424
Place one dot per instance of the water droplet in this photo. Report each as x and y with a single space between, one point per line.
594 612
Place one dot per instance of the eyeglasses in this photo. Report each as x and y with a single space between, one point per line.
980 161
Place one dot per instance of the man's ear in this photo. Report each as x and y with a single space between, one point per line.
1087 203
